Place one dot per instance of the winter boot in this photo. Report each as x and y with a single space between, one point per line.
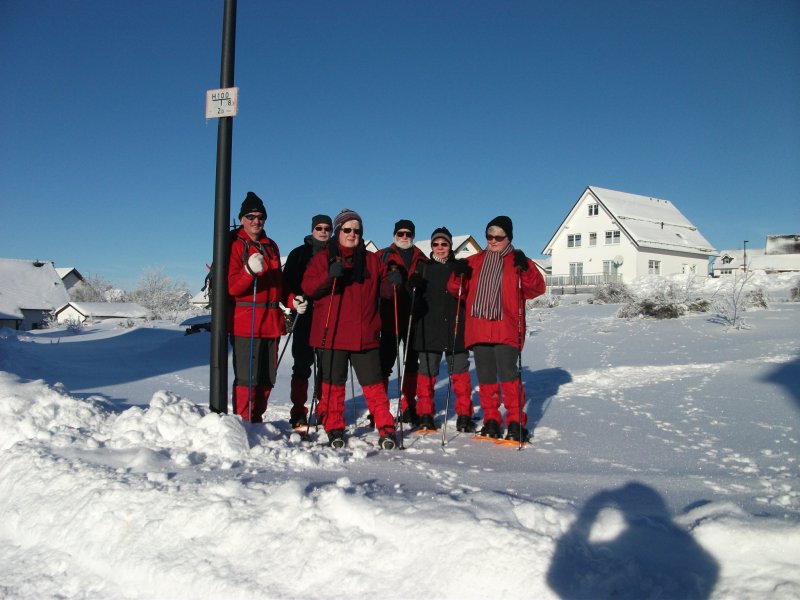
491 428
512 396
462 389
410 416
517 433
425 394
336 438
298 395
465 424
427 422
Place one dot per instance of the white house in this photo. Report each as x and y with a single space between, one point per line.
616 236
29 291
100 311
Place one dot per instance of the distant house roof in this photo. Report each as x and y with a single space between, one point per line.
109 310
29 285
64 271
648 222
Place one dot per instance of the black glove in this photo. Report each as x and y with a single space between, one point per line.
416 281
521 261
462 267
395 277
336 269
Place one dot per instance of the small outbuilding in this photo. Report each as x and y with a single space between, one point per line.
93 312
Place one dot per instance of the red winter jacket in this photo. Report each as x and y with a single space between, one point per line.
506 330
354 323
269 319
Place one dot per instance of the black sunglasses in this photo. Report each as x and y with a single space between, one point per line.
404 234
321 228
496 238
439 244
253 217
351 229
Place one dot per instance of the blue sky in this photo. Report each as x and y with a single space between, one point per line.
445 112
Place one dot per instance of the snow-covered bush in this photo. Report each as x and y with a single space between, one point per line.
73 324
547 300
794 294
612 293
657 308
738 296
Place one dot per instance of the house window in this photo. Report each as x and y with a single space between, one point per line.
609 270
654 267
575 272
593 210
592 240
574 240
612 237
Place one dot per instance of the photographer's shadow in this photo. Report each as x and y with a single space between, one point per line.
624 544
540 388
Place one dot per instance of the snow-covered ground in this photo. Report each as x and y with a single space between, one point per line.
664 465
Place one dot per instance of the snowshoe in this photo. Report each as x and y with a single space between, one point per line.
491 428
336 438
387 441
427 422
517 433
464 423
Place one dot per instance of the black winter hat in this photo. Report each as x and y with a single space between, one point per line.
317 219
504 223
442 232
405 224
252 203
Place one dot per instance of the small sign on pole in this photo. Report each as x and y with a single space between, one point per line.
221 103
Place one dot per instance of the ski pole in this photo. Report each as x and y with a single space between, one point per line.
252 342
288 340
322 350
452 361
399 374
520 326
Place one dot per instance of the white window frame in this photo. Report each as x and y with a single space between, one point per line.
592 239
594 210
654 267
574 240
613 237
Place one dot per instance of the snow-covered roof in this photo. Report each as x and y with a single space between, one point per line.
732 259
122 310
31 285
64 271
652 222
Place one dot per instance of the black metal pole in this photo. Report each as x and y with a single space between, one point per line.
218 394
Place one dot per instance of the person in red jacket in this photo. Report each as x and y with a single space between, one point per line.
497 282
404 257
345 283
256 287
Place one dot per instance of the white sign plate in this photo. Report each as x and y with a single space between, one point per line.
221 103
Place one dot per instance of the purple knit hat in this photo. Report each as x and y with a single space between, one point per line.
344 216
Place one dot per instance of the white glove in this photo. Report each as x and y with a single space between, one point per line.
300 304
256 263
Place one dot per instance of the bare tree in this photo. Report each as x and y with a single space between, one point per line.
93 289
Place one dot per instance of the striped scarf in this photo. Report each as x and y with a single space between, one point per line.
489 292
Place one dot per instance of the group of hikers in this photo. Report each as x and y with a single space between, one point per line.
351 309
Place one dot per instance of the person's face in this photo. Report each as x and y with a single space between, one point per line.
253 223
440 248
492 243
321 232
350 234
403 239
